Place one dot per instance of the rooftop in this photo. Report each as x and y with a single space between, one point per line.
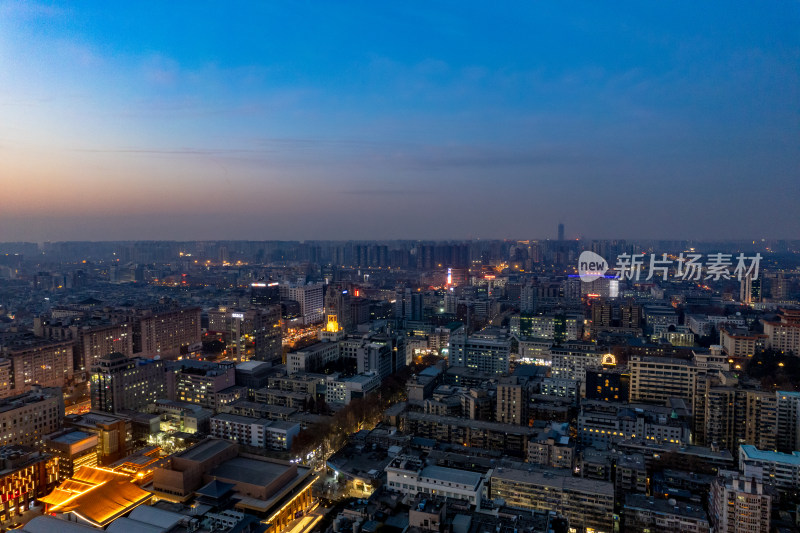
640 501
555 480
96 494
453 475
252 471
361 378
72 437
205 450
750 452
478 424
240 419
250 366
215 489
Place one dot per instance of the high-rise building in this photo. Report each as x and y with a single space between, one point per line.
312 304
95 342
749 289
528 298
35 362
337 306
560 232
732 415
788 430
268 334
779 285
264 293
252 334
657 379
512 399
166 333
739 506
119 382
761 419
571 359
727 415
489 350
409 304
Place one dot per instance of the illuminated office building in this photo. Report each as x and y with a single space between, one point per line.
119 382
25 476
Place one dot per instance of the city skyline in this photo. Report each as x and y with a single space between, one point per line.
300 122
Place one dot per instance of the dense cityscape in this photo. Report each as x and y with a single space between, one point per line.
400 385
399 267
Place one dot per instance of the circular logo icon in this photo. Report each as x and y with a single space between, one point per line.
591 266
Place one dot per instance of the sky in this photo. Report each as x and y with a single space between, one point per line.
413 120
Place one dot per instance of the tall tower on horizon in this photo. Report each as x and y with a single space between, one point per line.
560 231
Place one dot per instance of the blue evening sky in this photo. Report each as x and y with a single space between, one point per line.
339 120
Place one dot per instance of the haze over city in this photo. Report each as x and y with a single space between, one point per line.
364 121
399 267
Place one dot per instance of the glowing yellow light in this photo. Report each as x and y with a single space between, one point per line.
333 325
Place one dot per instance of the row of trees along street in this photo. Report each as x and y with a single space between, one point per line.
360 413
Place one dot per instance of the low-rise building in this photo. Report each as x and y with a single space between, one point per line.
411 476
341 390
312 358
185 417
95 497
507 438
74 450
295 400
740 343
114 433
783 334
255 432
272 490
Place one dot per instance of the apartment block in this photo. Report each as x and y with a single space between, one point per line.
26 418
657 379
119 382
587 504
255 432
739 506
